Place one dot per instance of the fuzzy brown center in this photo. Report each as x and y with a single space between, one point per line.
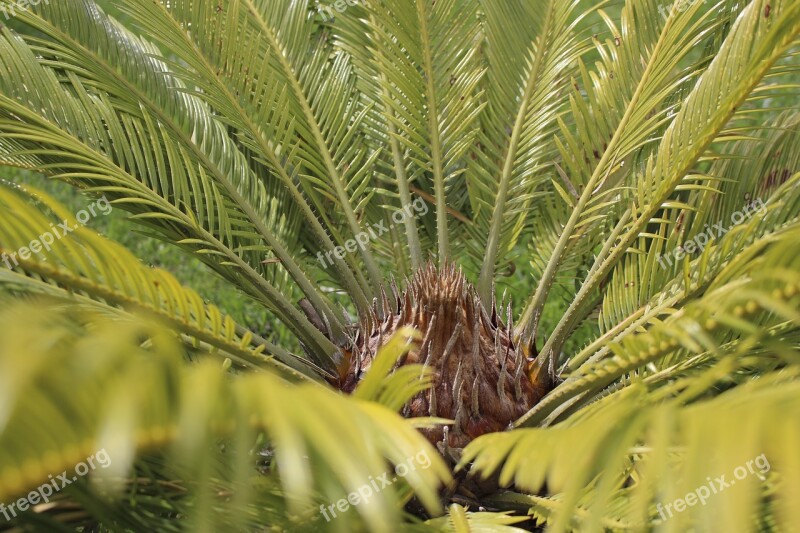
482 380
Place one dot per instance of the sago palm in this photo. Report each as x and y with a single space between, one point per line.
387 178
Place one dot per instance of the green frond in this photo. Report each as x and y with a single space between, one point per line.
747 53
764 291
59 127
742 207
654 454
427 95
459 520
282 110
135 399
61 258
514 180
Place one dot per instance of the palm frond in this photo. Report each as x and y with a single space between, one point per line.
427 93
747 288
460 520
662 174
137 398
59 127
532 103
70 261
650 455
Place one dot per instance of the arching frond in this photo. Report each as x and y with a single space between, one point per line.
720 83
128 158
764 290
650 456
460 520
61 258
137 398
537 97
